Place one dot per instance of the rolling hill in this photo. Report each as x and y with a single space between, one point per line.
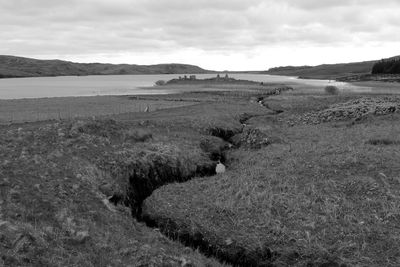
325 71
14 67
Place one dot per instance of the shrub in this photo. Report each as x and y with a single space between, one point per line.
160 82
137 135
331 90
383 141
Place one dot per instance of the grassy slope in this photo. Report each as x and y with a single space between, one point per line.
323 195
11 66
326 71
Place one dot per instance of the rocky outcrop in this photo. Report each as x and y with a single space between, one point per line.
355 110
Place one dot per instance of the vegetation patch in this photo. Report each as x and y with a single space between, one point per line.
141 171
55 205
311 195
331 90
251 138
382 142
324 200
354 109
62 183
214 147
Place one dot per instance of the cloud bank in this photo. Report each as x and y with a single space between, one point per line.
217 34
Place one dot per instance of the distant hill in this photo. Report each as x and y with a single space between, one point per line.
13 67
326 71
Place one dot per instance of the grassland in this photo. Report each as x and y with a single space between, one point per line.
299 190
42 109
320 194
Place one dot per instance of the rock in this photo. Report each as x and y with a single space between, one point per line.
82 236
228 241
106 189
108 205
185 262
220 168
355 109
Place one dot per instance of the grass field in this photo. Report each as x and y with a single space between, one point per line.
312 180
41 109
322 195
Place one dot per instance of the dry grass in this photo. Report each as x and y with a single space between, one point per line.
322 196
319 194
64 108
54 190
56 180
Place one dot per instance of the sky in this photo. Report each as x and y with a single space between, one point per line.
213 34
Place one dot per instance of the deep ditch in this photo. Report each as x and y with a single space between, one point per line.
148 178
236 255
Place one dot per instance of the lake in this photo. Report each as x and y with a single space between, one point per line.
62 86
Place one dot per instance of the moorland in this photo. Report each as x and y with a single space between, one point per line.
312 179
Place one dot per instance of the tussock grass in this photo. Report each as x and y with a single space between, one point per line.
322 197
57 180
331 90
382 141
54 191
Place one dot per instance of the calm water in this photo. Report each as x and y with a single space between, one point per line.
126 85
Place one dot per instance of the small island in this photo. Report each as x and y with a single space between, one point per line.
218 80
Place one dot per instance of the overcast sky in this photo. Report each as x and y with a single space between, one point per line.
214 34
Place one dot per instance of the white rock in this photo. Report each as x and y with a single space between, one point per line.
220 168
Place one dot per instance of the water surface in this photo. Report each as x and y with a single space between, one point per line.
62 86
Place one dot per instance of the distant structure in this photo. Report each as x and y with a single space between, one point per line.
192 77
226 76
220 168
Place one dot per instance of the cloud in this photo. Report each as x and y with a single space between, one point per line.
89 28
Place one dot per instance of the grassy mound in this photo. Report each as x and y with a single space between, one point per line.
323 198
141 171
354 109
